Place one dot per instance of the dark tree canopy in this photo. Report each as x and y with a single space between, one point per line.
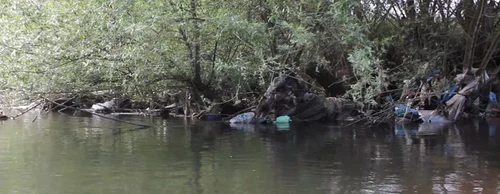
223 49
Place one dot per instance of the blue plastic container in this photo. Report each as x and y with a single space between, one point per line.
210 117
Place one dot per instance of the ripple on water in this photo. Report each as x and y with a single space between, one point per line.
320 168
208 159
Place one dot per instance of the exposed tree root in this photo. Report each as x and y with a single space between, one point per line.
99 115
27 110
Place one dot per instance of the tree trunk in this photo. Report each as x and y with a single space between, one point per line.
410 10
196 63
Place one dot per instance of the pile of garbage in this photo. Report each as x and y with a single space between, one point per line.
436 96
290 99
431 99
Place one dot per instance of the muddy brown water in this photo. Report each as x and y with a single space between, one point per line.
57 153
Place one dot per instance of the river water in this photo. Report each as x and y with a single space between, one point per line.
56 153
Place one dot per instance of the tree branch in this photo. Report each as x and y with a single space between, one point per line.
490 52
214 56
470 43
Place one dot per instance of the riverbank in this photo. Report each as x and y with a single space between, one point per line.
289 96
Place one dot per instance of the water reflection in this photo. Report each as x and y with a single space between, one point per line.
68 154
425 158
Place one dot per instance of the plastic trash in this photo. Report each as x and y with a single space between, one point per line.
282 123
243 118
389 98
283 119
247 118
211 117
449 94
431 74
400 109
493 98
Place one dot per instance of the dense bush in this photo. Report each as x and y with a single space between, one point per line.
225 48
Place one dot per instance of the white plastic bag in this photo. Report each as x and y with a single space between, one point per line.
243 118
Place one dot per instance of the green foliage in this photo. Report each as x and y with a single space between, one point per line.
139 48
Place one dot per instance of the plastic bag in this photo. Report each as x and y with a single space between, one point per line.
243 118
